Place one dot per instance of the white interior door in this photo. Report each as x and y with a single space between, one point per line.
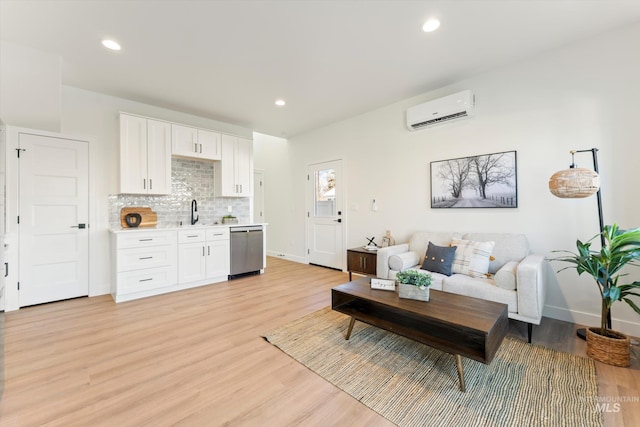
53 216
324 225
258 196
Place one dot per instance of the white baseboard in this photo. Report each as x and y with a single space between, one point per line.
589 319
288 257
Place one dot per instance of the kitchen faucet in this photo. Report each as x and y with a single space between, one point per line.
194 211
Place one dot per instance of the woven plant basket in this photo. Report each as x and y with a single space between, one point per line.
612 351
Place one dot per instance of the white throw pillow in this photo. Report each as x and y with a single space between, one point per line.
403 261
505 278
472 258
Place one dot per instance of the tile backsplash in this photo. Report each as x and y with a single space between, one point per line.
190 179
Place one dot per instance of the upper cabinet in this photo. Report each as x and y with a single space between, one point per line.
145 156
146 147
233 174
195 143
210 146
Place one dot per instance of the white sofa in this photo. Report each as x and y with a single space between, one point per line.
515 277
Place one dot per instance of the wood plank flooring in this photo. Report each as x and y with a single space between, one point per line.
196 358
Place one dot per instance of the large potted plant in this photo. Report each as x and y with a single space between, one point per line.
622 248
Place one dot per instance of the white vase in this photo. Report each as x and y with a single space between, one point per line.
413 292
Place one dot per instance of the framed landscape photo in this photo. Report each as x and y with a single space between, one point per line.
483 181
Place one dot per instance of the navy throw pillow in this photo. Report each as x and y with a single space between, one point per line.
439 259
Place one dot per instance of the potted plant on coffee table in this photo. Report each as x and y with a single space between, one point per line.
413 284
622 248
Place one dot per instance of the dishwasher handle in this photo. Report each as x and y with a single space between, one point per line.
248 228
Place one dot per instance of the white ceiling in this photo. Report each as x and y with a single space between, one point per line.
230 60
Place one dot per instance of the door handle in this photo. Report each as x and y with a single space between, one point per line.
79 226
6 269
337 220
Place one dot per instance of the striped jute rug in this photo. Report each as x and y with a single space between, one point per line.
412 384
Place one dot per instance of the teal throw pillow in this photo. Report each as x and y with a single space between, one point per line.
439 259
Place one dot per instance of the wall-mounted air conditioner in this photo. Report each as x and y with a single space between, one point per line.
441 110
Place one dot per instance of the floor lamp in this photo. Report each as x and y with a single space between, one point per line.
575 183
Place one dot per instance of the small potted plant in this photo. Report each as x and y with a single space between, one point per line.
229 219
622 248
413 284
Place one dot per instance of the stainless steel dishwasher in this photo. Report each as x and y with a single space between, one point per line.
247 251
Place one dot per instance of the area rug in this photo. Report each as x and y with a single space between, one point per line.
412 384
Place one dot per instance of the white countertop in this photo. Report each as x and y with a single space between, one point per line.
180 227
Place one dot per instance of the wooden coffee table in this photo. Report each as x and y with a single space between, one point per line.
456 324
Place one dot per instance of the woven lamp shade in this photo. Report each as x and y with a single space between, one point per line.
574 183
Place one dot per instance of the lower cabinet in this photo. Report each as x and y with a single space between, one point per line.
145 263
191 258
218 253
203 255
152 262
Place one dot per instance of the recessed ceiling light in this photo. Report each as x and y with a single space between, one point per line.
110 44
280 102
431 25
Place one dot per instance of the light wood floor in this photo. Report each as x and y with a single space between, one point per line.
197 358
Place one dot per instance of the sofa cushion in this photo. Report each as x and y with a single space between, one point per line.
403 261
480 288
505 278
420 240
508 247
472 258
438 259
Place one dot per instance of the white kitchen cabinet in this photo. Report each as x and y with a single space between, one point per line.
218 253
210 145
145 156
149 262
144 263
203 254
195 143
191 256
233 174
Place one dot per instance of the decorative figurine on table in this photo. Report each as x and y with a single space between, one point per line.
388 240
371 246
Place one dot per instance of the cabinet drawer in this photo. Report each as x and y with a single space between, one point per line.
142 239
190 236
221 233
145 280
139 258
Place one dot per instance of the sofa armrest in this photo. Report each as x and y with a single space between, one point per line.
382 266
532 286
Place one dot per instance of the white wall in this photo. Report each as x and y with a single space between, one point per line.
578 97
271 154
30 88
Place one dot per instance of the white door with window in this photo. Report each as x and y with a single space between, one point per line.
324 214
53 218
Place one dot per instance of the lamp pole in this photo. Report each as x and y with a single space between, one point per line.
582 333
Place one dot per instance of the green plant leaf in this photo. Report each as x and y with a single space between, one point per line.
621 249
